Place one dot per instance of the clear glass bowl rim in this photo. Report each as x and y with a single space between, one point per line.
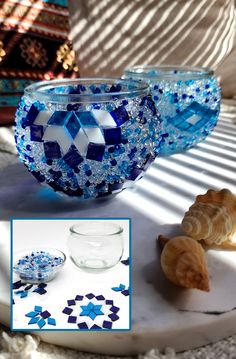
29 250
35 90
75 227
187 72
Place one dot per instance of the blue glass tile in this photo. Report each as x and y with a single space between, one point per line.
148 161
86 119
17 285
83 325
51 321
125 262
28 287
37 308
19 292
34 320
109 302
125 292
67 311
120 115
112 135
79 297
32 314
95 326
90 295
52 150
113 317
42 285
36 133
114 309
31 116
100 297
135 173
95 151
72 157
72 319
59 118
24 294
45 314
73 125
40 291
115 186
107 325
71 302
41 323
92 315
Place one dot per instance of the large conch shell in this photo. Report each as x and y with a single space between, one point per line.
212 218
183 262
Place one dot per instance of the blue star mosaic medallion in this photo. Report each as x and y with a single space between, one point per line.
91 312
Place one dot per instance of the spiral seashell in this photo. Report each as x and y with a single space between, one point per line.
212 218
183 263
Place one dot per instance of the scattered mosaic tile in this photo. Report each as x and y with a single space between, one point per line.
126 261
27 289
118 289
40 317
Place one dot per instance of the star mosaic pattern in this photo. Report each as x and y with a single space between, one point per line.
40 317
91 312
88 150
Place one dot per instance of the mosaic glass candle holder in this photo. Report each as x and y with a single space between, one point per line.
39 265
95 245
188 99
87 138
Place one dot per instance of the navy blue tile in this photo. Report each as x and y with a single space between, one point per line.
114 309
52 150
120 115
73 125
135 173
59 118
42 285
100 297
113 317
95 151
83 325
148 161
107 325
109 302
79 297
17 285
115 186
90 296
28 287
40 291
38 176
36 133
72 157
95 326
125 292
45 314
125 262
31 115
71 302
67 311
112 135
72 319
86 119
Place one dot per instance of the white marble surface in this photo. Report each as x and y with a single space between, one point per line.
155 205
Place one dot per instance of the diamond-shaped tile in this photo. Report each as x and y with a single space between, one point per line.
100 297
34 320
135 174
83 325
59 133
113 317
73 125
94 134
45 314
79 297
86 119
51 321
31 115
107 325
52 150
81 142
112 135
36 133
59 118
38 308
103 118
32 314
72 319
114 309
90 295
71 302
42 118
120 115
41 323
95 151
67 311
72 157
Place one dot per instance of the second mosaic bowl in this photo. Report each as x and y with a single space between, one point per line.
87 137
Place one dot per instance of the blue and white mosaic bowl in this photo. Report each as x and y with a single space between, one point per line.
87 137
188 99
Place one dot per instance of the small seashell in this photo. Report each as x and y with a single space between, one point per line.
183 262
212 218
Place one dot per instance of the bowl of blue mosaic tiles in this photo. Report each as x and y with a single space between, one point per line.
188 99
87 138
38 265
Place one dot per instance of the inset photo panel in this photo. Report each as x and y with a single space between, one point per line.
71 274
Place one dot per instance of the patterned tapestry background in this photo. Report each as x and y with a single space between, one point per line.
34 46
